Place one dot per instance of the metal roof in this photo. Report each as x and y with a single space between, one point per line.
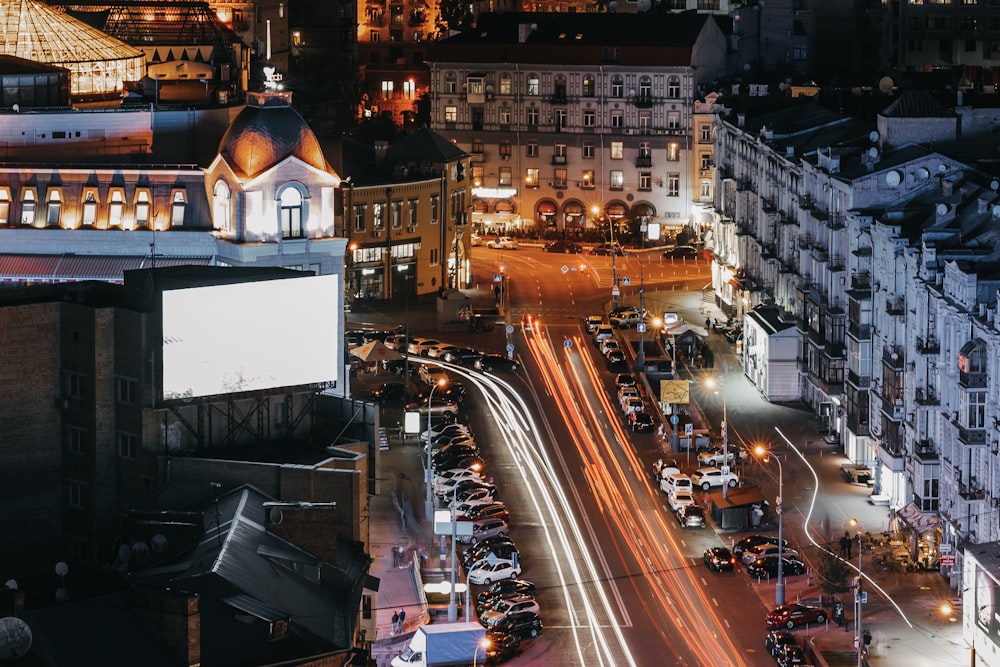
74 268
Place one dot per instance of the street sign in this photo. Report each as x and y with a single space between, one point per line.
689 429
510 347
497 278
626 281
509 329
615 291
725 470
567 343
641 327
674 419
947 559
564 269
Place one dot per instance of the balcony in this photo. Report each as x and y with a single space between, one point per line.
558 99
892 358
859 331
972 380
768 205
806 202
896 306
558 159
821 215
644 161
820 254
894 409
805 242
744 185
924 450
861 280
972 437
836 222
836 263
971 492
643 101
768 251
926 396
859 381
929 345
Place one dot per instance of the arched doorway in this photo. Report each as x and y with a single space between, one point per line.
574 216
617 213
545 214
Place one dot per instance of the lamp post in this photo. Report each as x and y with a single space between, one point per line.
857 597
484 644
640 357
599 215
452 605
429 472
947 610
725 437
779 589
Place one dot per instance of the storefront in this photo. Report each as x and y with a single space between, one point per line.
546 214
573 215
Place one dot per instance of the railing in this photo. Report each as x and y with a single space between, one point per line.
930 345
973 380
972 436
862 280
926 396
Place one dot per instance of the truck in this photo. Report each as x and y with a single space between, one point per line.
444 645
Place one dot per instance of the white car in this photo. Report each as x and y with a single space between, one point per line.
591 322
714 458
485 573
607 345
503 243
679 499
440 350
445 487
631 405
706 478
441 408
627 392
507 606
675 482
421 345
485 495
476 240
766 551
431 374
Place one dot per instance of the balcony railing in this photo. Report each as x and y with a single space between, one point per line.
643 101
924 450
861 280
929 345
644 161
926 396
972 380
974 437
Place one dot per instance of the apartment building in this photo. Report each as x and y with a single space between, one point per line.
577 121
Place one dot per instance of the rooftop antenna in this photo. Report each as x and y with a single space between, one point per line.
272 79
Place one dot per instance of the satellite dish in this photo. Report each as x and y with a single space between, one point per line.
893 178
62 569
942 167
994 184
11 584
15 638
873 137
643 5
124 553
17 108
996 210
910 178
923 174
873 152
140 550
612 6
941 209
159 543
886 84
275 516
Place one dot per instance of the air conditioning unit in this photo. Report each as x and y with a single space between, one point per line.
377 234
629 130
411 228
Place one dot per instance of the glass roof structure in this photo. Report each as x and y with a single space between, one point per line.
98 63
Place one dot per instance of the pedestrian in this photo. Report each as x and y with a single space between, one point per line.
402 618
848 544
708 324
395 622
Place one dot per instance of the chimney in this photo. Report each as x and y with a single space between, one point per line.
171 615
310 526
741 119
789 151
947 187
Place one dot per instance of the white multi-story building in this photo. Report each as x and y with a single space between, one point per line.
575 120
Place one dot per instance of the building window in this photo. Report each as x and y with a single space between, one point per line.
706 161
532 118
378 209
74 493
706 189
177 207
588 86
560 118
74 439
450 83
645 180
531 177
126 444
505 149
28 207
506 177
673 87
531 149
645 121
142 208
387 90
89 209
72 385
617 150
435 257
505 86
359 217
589 151
617 179
589 118
673 152
560 178
587 179
54 206
617 86
4 205
451 114
645 88
221 208
397 214
409 89
126 390
617 119
705 133
559 151
478 174
477 145
475 85
116 207
645 151
533 85
435 209
673 120
291 213
973 409
673 185
505 115
374 36
930 498
413 207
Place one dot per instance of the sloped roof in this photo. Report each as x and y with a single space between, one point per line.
35 31
917 104
267 131
424 145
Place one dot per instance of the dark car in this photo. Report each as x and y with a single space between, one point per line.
521 624
624 380
496 362
501 647
767 567
790 615
390 393
463 356
608 249
640 422
615 359
681 252
753 541
691 516
775 639
790 656
453 391
719 559
354 337
490 511
478 551
507 587
562 246
623 310
460 461
457 448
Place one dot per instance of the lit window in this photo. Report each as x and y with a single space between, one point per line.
588 86
505 85
505 149
505 177
451 114
221 206
673 152
177 208
533 85
54 206
89 209
617 150
4 205
531 177
409 89
587 182
291 213
560 178
387 87
28 207
505 115
617 179
116 208
142 208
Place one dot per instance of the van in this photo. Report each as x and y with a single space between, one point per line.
676 482
603 332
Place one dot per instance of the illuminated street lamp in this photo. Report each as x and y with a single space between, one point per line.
429 472
779 589
947 610
615 292
725 436
857 596
484 644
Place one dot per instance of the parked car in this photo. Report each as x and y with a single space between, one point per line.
473 484
624 380
628 391
640 422
444 483
675 482
681 252
464 509
790 615
602 332
775 639
485 529
719 559
502 243
432 374
790 656
501 647
494 510
679 499
761 550
503 589
473 493
390 393
754 540
767 567
628 320
664 469
438 351
607 345
453 428
453 391
464 460
500 546
442 408
476 240
691 516
591 322
715 457
523 624
706 478
421 345
507 606
463 356
633 405
485 573
562 246
622 310
496 362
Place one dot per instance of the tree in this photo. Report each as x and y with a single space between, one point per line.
833 573
453 15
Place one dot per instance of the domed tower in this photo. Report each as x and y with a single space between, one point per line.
271 182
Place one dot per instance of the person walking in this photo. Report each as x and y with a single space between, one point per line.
395 622
849 543
402 619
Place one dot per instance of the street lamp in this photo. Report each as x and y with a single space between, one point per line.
429 472
615 292
640 358
947 610
725 437
857 596
779 589
484 644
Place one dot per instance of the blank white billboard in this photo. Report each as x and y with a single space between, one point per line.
225 339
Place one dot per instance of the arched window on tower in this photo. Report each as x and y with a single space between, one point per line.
291 213
221 211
